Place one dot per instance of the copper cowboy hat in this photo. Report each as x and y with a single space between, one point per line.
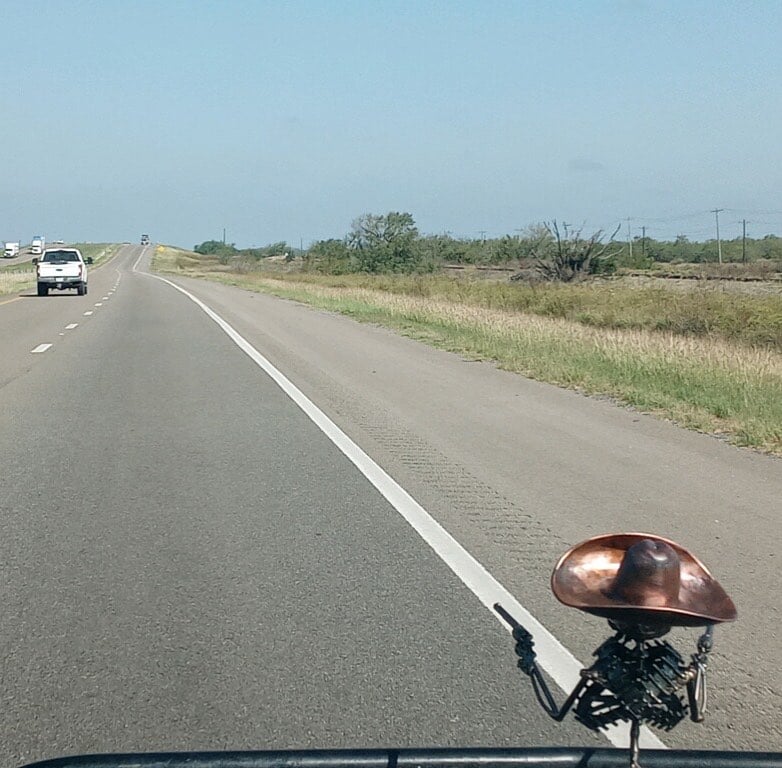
640 577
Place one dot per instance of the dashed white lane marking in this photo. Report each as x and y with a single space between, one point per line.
88 313
99 304
71 326
105 298
554 657
40 348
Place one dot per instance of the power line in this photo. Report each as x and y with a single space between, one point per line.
681 217
754 213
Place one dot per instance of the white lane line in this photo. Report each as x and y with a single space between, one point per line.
557 660
40 348
71 326
88 313
99 304
105 298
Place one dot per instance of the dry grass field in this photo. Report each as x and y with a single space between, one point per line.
706 359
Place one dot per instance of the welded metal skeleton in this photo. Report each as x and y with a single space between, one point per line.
643 585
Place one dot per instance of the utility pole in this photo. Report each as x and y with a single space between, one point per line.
629 238
643 242
744 240
716 212
223 235
482 233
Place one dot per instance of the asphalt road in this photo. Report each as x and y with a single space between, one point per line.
189 562
21 258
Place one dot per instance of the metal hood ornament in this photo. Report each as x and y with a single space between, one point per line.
644 585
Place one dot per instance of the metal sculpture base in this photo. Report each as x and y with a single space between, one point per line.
636 678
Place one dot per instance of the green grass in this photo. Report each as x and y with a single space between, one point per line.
13 269
661 351
100 252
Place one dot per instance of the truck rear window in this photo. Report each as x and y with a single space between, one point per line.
60 256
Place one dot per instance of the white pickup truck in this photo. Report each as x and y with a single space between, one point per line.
61 268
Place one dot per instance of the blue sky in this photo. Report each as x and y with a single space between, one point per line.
286 120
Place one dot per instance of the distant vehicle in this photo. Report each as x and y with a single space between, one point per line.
145 239
61 268
38 244
10 250
58 242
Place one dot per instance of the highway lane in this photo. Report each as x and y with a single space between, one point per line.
22 257
29 320
186 561
516 470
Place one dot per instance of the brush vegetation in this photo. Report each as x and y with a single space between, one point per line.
15 280
708 359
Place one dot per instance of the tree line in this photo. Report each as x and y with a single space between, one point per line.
391 242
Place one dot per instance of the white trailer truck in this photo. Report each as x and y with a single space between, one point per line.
37 245
10 250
